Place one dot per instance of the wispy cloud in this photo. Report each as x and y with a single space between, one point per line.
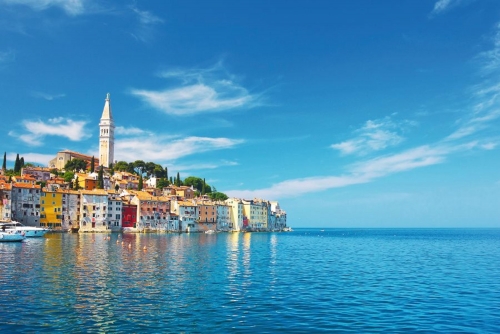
35 158
362 172
165 149
442 6
71 7
144 31
482 114
204 165
374 135
131 131
7 56
199 91
36 131
46 96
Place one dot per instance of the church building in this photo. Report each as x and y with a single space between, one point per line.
106 143
107 135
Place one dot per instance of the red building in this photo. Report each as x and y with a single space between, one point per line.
129 215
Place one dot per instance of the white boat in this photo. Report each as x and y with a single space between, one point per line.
29 231
209 231
287 229
11 236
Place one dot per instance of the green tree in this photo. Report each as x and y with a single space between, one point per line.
162 183
139 167
75 165
21 163
165 173
203 187
92 164
121 166
140 183
218 196
117 187
77 183
100 178
17 164
4 165
149 168
68 176
178 180
194 181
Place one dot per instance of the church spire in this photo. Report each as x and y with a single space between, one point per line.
107 135
106 112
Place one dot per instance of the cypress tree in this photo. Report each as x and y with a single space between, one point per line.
203 188
77 184
140 183
4 165
21 163
100 178
166 173
178 180
92 163
17 164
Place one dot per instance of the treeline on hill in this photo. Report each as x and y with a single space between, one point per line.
148 170
18 165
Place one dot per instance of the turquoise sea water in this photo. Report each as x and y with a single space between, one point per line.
309 280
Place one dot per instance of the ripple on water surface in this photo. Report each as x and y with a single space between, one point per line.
304 281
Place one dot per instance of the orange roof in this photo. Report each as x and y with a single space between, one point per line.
26 186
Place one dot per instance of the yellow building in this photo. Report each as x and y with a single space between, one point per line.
51 206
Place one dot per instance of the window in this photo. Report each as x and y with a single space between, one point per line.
117 216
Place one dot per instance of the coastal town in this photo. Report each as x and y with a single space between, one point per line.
99 198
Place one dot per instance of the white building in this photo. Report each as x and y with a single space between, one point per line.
26 203
114 215
106 135
236 214
93 210
223 217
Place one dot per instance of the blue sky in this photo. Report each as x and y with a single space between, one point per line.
349 113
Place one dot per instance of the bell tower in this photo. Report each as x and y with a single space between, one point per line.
106 135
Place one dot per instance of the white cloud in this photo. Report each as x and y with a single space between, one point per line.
163 149
204 165
146 17
374 135
35 158
200 90
71 7
63 127
132 131
441 5
444 5
48 97
362 172
7 56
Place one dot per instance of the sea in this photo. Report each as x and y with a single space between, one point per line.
304 281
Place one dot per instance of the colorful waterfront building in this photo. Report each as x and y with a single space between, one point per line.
51 208
187 213
236 213
129 215
5 200
223 216
207 216
115 211
93 210
153 211
254 214
26 203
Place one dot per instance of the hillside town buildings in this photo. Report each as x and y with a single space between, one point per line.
120 205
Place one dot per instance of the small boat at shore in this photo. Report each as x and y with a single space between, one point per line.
287 229
29 231
11 236
209 232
